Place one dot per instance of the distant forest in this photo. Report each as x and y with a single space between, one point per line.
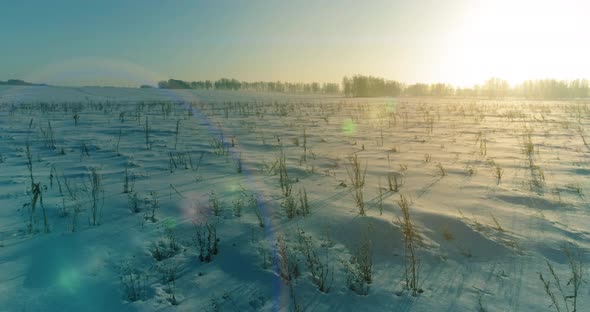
369 86
233 84
17 82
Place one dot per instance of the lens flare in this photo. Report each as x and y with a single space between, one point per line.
391 106
69 280
169 223
349 127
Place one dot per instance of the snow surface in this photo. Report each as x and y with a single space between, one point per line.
468 261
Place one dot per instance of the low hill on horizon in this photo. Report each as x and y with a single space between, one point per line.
18 82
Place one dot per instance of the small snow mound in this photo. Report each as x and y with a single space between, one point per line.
455 238
385 237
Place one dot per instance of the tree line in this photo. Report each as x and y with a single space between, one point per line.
363 86
270 86
493 88
370 86
543 89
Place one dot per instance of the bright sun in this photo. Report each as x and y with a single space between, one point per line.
519 40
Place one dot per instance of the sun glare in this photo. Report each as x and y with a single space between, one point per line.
517 40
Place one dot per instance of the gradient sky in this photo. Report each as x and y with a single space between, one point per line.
126 43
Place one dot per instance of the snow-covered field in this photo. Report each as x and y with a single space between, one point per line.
117 217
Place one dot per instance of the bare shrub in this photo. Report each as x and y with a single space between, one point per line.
207 241
322 274
357 179
359 269
411 239
565 296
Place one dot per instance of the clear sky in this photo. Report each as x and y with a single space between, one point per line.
129 42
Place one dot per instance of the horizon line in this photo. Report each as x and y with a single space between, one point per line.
404 84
